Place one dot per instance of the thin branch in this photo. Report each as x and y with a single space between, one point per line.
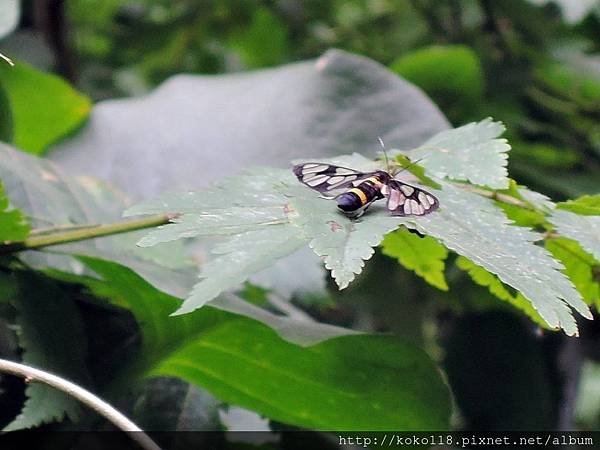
31 375
7 59
38 240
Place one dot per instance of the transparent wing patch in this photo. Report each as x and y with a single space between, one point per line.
406 200
328 179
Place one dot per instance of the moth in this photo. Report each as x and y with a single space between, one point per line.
355 191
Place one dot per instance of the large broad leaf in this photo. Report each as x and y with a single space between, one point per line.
450 74
51 335
44 107
273 200
50 198
13 225
209 127
243 362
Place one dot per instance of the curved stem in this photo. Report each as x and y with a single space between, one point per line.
31 374
7 59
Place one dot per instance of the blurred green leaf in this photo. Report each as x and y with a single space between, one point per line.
486 279
245 363
580 267
424 255
13 225
575 86
45 108
546 155
264 43
52 338
587 205
451 75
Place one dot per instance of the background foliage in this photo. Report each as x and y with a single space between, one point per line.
533 65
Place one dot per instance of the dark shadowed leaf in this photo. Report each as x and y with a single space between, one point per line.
52 338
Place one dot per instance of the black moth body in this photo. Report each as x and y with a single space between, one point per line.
355 191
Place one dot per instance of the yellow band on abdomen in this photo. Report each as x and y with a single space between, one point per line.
361 195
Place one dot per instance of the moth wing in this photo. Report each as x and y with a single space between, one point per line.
405 200
328 179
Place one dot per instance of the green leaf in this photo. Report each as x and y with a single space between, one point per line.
473 227
587 205
423 255
13 225
471 152
580 267
451 75
484 278
584 229
45 108
245 363
264 43
51 336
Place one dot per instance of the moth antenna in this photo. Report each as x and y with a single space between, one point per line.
387 161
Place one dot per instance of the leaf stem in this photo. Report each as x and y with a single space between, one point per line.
504 198
31 374
81 233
